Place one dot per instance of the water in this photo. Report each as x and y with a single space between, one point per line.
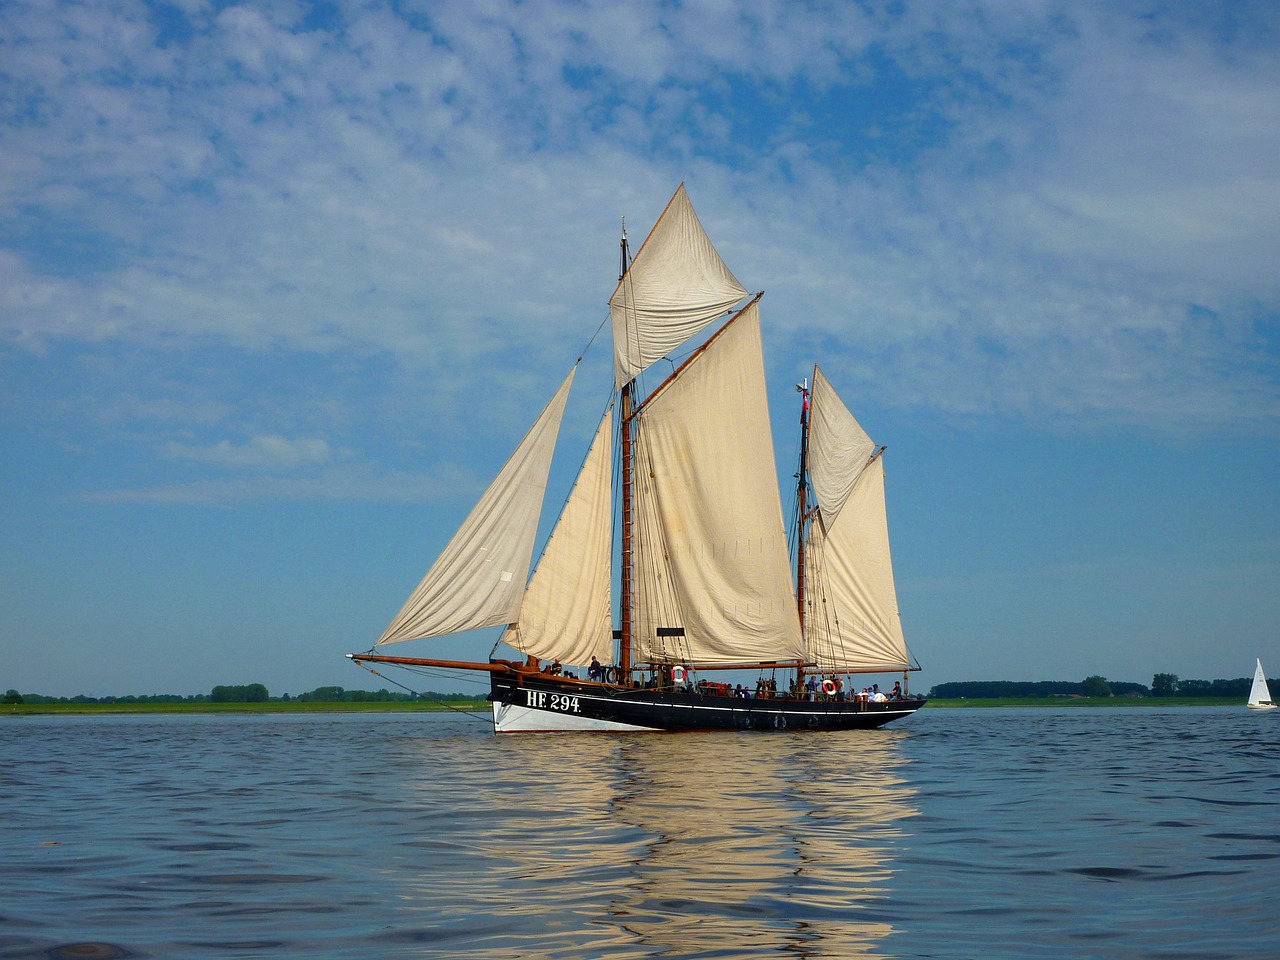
1135 833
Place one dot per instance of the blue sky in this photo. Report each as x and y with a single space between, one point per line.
282 284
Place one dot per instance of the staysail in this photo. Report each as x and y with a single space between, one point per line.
566 612
851 615
479 578
676 285
712 558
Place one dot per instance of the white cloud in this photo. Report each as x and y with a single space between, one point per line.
347 483
265 453
1081 222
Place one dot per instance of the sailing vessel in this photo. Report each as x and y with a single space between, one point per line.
705 575
1259 694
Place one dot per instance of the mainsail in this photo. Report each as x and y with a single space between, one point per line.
713 556
851 615
479 578
676 285
566 614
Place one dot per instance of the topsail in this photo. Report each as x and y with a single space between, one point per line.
675 287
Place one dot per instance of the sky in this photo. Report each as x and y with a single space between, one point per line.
283 284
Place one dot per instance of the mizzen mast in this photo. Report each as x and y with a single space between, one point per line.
802 509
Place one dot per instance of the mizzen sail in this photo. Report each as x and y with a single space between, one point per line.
479 578
851 616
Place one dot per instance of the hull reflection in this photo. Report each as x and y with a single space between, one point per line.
726 845
760 847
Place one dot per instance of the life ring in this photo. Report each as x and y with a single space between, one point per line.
677 674
829 687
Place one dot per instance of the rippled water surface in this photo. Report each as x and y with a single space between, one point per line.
959 833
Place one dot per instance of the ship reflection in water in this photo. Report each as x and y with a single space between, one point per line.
724 845
760 847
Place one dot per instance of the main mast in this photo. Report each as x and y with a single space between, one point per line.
802 509
625 409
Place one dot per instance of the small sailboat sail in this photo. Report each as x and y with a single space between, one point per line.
1259 694
704 572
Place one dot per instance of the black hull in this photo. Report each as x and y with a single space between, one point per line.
541 703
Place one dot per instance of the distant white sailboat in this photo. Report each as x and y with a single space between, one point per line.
1259 695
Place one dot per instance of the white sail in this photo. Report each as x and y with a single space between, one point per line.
1259 694
839 449
712 554
851 602
566 612
479 578
676 285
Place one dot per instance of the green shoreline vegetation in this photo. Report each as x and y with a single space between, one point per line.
247 698
1166 690
271 706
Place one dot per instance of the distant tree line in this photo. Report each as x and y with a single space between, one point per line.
338 694
243 693
1162 685
1168 685
13 696
990 689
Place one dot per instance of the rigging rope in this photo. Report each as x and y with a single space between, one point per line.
484 718
594 335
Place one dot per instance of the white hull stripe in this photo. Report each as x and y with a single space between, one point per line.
508 718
